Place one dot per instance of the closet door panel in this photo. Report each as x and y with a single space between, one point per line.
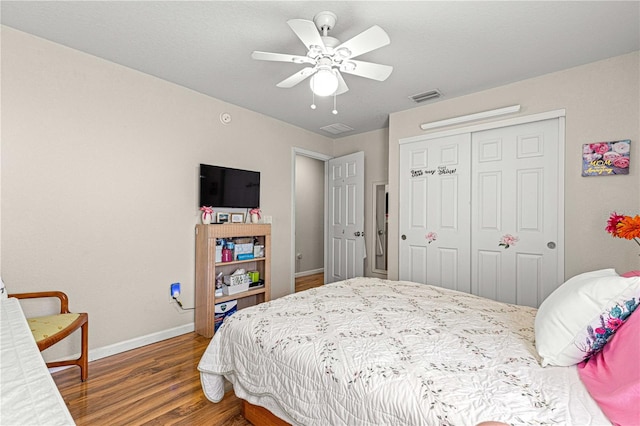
489 273
435 211
448 267
529 270
418 204
417 266
530 200
489 200
515 211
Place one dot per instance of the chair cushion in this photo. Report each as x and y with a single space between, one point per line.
43 327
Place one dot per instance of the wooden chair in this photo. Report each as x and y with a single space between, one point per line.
49 330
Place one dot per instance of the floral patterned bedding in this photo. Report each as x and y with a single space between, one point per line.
367 351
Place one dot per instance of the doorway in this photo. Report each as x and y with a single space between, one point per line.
309 233
348 213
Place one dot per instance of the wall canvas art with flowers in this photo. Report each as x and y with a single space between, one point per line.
606 158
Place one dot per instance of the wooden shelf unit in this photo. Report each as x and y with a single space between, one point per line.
207 269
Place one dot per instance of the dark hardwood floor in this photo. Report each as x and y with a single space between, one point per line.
157 384
309 281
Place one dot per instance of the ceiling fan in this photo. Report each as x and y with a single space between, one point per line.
327 58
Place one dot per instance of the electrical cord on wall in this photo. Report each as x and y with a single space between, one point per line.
180 304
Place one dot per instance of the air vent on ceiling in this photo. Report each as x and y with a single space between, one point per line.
426 96
336 128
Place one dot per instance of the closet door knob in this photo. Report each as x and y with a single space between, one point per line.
404 237
551 245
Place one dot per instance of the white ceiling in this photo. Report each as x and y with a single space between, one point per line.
456 47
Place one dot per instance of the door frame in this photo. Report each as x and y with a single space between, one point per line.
560 114
317 156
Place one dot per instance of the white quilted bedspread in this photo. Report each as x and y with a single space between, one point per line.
373 352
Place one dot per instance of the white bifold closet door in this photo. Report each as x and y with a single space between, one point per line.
435 219
463 198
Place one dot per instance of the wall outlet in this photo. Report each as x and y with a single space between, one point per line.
175 291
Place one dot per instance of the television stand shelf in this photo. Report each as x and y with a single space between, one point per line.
207 269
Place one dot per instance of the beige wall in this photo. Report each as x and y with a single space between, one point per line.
375 147
100 177
602 104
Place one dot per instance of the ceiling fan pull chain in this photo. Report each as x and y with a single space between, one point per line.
313 97
335 111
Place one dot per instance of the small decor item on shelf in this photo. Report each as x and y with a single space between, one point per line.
223 217
207 214
237 217
227 253
256 214
219 278
626 227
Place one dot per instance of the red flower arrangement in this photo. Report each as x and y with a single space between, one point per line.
626 227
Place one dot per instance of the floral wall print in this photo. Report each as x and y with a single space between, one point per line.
606 158
431 237
508 240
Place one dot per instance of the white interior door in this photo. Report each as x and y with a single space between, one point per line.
435 212
515 193
346 248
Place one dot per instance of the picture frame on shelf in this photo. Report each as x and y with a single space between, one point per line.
222 217
237 218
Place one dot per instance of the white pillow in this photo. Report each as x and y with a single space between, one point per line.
581 315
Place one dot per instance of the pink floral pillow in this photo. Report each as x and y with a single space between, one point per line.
580 317
612 376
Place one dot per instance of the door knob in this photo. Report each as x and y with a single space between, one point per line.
357 234
404 237
551 245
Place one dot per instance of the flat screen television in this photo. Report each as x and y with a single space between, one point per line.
227 187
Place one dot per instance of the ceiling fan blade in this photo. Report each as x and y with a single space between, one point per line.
367 69
368 40
342 85
296 78
281 57
308 33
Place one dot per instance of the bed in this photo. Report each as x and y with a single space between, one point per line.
367 351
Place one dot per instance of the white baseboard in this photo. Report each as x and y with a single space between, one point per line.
136 342
311 272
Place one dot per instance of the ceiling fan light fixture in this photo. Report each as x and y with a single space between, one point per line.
343 52
324 82
348 66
